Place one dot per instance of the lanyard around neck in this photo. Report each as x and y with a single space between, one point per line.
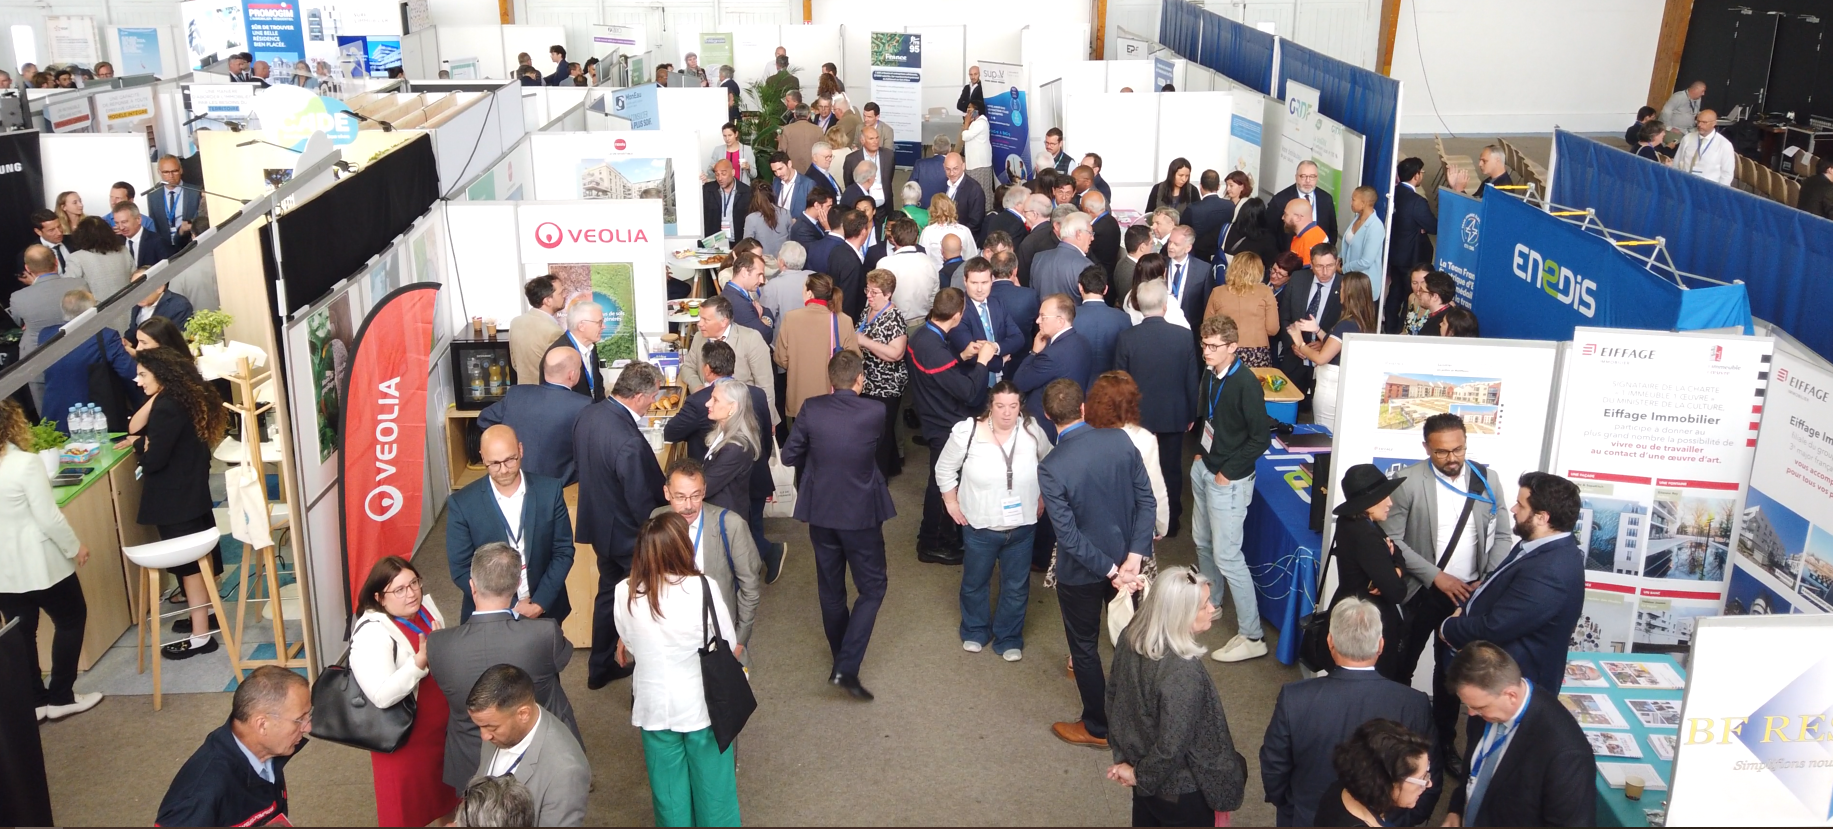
1471 494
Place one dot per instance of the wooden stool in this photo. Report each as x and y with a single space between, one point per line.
155 557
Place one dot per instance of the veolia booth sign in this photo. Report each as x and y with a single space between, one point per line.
292 114
620 231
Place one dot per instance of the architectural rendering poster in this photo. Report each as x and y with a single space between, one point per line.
1657 430
1784 543
897 88
1502 389
1752 738
662 165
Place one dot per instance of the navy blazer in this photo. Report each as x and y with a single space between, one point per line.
1005 332
1529 606
1315 715
1163 358
1294 301
67 380
970 203
822 179
744 314
1409 236
928 173
473 520
1101 324
1206 218
1105 249
543 415
818 252
1193 296
1022 303
172 305
1069 355
841 486
151 248
691 425
804 230
189 197
1099 500
620 483
1549 780
1010 222
591 377
1326 215
848 270
944 389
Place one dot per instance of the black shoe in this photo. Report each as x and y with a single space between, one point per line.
773 561
183 649
1454 766
852 686
616 673
938 555
183 625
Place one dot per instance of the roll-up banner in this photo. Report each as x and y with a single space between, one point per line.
1460 225
1784 561
1658 431
384 449
1007 120
897 87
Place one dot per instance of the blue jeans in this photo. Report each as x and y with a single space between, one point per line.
1218 514
1011 550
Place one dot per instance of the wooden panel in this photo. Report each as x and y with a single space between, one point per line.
1674 19
104 583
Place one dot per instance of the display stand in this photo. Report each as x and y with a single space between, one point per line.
266 569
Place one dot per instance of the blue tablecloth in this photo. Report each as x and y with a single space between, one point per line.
1282 550
1613 808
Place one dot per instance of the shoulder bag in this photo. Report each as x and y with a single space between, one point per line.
1314 647
729 701
342 713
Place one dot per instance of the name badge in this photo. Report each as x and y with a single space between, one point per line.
1011 510
1209 436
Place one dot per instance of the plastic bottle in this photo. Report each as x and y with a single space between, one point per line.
86 431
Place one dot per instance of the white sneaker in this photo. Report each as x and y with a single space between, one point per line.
83 702
1013 655
1240 649
971 647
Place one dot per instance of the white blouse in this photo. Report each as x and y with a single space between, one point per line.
931 240
978 470
667 686
382 658
1147 444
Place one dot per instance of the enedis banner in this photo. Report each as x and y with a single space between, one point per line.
383 452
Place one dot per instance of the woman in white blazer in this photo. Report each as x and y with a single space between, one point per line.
388 661
977 150
39 554
659 611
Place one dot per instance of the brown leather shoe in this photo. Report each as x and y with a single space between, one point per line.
1076 734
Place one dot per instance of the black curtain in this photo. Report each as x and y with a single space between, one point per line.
1748 48
330 237
22 190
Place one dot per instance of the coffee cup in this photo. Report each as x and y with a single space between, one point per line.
1632 787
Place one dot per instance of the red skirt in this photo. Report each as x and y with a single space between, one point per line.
410 783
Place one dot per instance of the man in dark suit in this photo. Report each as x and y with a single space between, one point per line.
1817 190
1099 322
1409 240
846 261
948 384
1314 716
811 223
494 635
521 509
1533 765
821 157
147 248
743 292
177 209
985 317
1020 302
928 172
843 499
1531 602
1057 352
1323 208
971 94
542 416
585 326
1105 249
620 484
970 199
724 203
873 150
1059 271
788 187
1093 162
1187 278
163 302
1011 216
1042 236
1493 164
1312 293
1207 216
691 424
562 71
1100 504
1163 358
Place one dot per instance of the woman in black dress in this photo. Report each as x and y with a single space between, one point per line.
1367 563
732 448
1382 769
182 418
1175 191
1248 233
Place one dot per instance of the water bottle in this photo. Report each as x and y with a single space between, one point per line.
84 427
98 424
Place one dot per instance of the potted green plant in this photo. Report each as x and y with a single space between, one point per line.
48 443
206 327
766 120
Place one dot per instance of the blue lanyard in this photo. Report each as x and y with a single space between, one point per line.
868 323
1476 763
1475 496
1065 433
1215 396
420 617
932 326
698 524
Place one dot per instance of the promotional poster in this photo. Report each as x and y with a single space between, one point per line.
897 87
139 49
1784 541
620 166
1007 120
274 31
1657 430
1460 227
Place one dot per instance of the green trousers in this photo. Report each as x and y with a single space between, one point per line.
691 781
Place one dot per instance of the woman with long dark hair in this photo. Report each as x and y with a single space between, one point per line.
1358 318
389 662
159 332
99 258
1248 233
1175 191
182 418
768 225
1149 267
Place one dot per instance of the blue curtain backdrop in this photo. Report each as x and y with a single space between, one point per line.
1179 27
1243 53
1364 101
1784 256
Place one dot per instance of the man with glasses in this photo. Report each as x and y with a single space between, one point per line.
177 209
1452 533
238 776
1232 414
723 549
1705 153
523 510
585 326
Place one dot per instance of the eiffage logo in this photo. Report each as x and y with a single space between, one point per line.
548 235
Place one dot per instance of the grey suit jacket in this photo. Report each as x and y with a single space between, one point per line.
40 306
554 769
1058 270
457 656
754 366
1413 524
732 562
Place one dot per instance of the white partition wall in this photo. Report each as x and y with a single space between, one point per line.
485 262
485 43
92 163
621 166
1108 123
1190 125
1137 75
420 54
700 110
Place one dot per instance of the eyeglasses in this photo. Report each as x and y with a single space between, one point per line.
1422 782
506 463
1441 454
411 588
1216 346
302 722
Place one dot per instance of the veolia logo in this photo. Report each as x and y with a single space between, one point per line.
1558 282
548 235
618 144
383 502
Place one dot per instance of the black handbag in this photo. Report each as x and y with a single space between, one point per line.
342 713
1314 647
729 701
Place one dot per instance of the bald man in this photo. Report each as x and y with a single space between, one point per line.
518 508
1302 230
724 202
543 415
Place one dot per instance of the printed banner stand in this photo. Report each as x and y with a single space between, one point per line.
1784 541
1460 225
897 87
383 462
1007 120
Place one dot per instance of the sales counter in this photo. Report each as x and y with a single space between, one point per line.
102 509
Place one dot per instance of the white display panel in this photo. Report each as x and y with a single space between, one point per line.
700 110
484 263
1188 124
812 44
1136 75
1108 123
567 165
485 43
1784 543
92 163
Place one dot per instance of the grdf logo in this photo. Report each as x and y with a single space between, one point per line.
547 235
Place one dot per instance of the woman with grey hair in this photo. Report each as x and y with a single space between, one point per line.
1166 726
732 448
496 801
913 204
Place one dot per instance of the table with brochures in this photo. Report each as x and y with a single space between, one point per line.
1629 707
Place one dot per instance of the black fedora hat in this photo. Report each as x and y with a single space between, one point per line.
1364 486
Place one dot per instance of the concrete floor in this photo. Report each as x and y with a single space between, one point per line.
953 738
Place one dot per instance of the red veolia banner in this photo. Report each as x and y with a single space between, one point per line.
384 435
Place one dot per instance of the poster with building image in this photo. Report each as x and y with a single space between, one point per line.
631 178
1784 535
